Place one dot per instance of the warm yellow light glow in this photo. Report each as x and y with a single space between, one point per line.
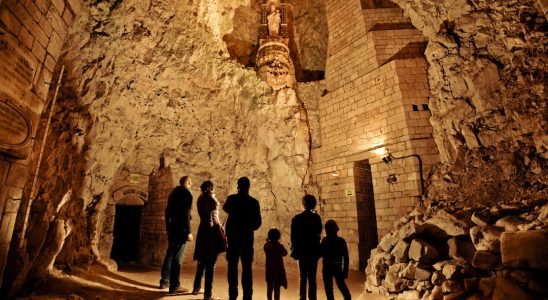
380 151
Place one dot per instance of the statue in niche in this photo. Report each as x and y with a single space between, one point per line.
274 20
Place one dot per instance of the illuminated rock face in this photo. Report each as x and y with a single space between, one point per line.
273 61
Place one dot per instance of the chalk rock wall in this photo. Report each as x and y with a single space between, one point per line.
151 78
489 112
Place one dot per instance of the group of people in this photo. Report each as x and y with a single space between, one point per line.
237 239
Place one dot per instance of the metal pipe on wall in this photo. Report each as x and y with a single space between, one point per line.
40 155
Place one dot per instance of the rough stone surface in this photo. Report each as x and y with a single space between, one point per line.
459 248
486 238
146 79
444 225
481 217
505 289
509 223
487 285
458 270
525 249
481 75
422 252
401 252
486 260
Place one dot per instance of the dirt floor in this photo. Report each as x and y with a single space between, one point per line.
133 281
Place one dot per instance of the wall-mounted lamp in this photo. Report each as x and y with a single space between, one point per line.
392 178
335 174
388 158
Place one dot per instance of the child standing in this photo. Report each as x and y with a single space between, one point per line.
275 271
335 261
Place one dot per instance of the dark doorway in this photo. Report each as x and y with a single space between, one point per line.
365 205
127 231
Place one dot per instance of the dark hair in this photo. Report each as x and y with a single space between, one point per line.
331 227
244 184
183 180
274 234
309 201
207 187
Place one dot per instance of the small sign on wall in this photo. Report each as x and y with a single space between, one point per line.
349 192
134 178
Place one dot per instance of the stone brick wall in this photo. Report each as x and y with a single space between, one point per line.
377 104
153 243
40 28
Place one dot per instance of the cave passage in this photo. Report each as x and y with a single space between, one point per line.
127 225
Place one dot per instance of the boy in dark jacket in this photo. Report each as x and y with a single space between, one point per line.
335 261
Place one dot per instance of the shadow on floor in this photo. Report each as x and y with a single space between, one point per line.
133 281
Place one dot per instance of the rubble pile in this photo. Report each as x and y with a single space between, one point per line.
471 253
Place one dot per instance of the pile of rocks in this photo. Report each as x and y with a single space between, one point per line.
471 253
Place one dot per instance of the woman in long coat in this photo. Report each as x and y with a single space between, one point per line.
210 240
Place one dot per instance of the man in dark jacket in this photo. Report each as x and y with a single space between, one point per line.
244 217
177 217
306 230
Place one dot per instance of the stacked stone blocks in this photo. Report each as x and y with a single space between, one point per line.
377 103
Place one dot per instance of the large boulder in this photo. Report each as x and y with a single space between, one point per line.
422 252
401 252
415 273
510 223
393 283
451 270
461 248
506 289
486 238
486 260
481 217
525 249
444 225
409 231
388 241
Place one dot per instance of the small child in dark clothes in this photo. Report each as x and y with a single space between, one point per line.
335 261
275 271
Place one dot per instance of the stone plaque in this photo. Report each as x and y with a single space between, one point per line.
134 178
17 68
15 128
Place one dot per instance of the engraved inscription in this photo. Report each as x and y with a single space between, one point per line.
17 68
14 127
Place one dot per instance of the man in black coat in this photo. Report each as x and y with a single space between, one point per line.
177 217
244 217
306 230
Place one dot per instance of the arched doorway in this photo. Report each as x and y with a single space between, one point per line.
129 196
127 233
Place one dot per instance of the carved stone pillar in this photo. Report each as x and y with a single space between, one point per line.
274 62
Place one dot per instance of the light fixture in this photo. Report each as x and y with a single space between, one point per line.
335 174
387 159
392 178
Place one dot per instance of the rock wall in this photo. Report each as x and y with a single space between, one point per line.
487 79
147 79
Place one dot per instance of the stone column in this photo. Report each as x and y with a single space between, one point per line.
347 30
